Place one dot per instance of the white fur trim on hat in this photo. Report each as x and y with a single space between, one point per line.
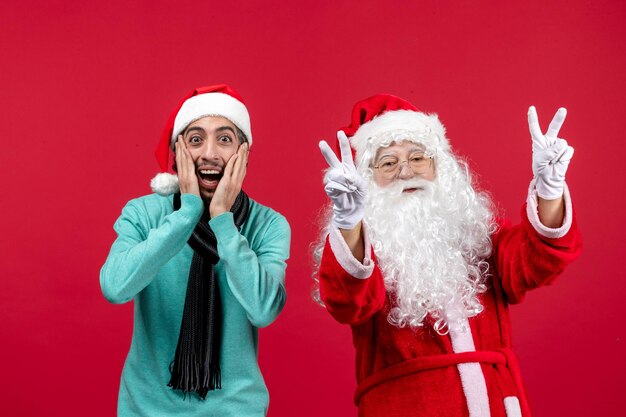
164 184
425 129
212 104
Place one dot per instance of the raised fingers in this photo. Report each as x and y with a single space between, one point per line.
533 123
344 146
329 155
556 123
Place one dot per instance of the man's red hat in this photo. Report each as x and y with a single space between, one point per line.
215 100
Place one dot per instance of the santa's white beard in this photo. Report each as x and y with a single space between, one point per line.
431 246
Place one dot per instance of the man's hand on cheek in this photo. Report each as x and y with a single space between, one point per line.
186 169
230 185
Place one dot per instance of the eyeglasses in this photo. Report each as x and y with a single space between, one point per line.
390 166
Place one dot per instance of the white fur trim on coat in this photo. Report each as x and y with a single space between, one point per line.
512 407
533 214
472 378
344 256
417 127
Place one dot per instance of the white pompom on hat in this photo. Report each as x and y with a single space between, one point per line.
214 100
383 118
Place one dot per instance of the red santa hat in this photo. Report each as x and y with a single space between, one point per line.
214 100
379 120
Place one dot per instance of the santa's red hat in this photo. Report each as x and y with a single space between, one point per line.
379 120
214 100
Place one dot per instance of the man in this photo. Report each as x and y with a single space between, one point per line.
415 262
205 267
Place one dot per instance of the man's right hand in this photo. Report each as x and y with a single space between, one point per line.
343 184
186 169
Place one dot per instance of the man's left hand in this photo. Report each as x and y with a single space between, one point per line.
230 184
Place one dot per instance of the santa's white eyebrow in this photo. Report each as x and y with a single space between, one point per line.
411 150
387 154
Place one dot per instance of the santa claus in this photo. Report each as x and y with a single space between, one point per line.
414 260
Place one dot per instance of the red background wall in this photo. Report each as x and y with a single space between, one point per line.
85 88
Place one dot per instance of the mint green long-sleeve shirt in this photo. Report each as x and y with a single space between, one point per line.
149 263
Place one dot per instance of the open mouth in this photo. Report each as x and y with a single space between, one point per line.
209 177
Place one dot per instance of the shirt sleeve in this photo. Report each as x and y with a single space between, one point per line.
255 277
531 255
140 251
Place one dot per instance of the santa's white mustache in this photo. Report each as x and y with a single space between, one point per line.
398 187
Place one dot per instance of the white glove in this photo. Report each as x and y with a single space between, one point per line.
343 184
551 155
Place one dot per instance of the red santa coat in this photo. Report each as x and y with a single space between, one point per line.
407 372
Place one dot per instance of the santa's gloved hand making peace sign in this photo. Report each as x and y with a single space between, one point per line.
551 155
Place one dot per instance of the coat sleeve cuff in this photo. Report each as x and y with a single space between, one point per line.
344 256
533 214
